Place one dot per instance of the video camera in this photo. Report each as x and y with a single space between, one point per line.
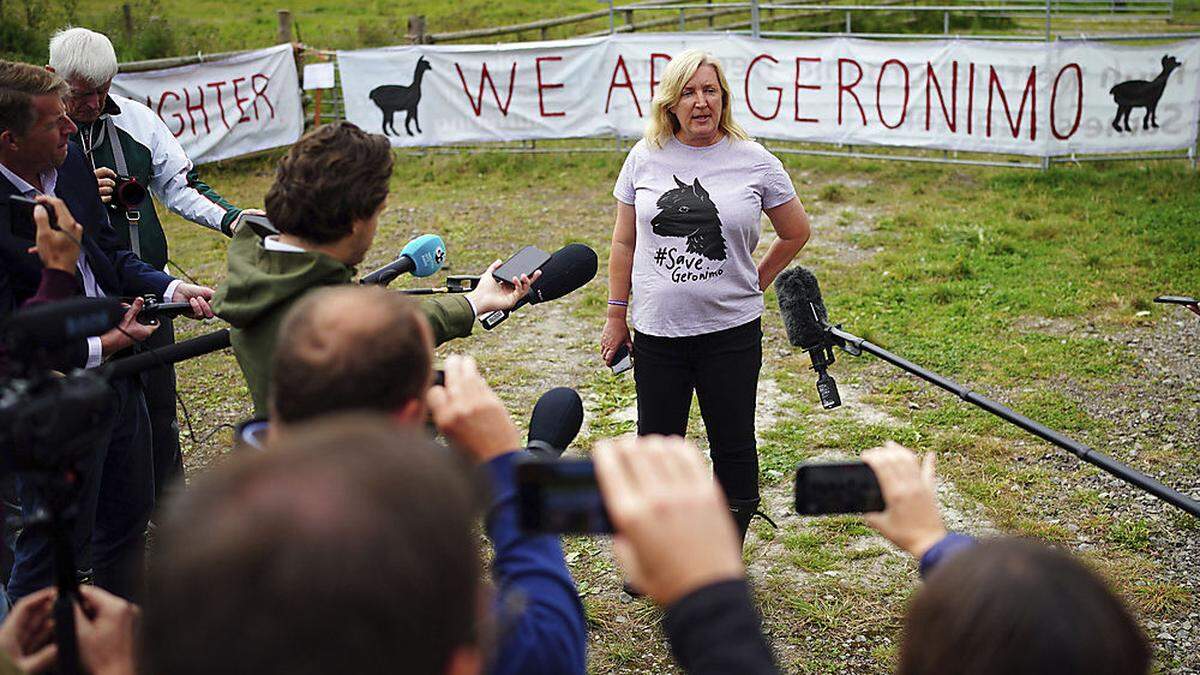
49 422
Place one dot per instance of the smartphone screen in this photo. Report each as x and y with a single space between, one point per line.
526 261
560 496
844 487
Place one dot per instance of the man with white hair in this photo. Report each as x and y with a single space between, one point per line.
146 151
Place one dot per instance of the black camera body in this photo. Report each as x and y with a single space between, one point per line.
128 193
50 423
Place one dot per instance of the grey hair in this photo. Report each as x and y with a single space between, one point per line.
79 53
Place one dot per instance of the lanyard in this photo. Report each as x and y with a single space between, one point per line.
90 143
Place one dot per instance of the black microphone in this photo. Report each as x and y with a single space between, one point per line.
807 326
569 268
164 356
555 422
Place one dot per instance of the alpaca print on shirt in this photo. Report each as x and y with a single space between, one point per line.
689 213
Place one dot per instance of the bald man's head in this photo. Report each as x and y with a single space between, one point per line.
349 548
351 348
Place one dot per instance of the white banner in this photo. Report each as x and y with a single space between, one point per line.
1027 98
224 108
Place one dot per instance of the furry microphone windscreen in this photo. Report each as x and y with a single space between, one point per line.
801 307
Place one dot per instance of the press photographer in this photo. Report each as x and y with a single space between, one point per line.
134 155
350 498
329 192
363 349
118 491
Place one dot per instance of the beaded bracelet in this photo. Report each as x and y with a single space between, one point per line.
618 303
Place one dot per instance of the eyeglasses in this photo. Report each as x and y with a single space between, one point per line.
99 92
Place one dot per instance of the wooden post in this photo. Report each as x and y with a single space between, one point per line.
629 19
416 29
127 22
317 108
284 24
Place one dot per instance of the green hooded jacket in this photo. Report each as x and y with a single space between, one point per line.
262 286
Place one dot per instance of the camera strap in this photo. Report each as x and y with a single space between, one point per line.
132 216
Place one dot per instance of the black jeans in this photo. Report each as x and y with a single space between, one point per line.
159 387
722 368
114 504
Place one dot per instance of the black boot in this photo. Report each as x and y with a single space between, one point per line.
743 511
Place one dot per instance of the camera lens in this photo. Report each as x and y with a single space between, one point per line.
129 193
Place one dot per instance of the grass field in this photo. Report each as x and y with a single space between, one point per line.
1033 288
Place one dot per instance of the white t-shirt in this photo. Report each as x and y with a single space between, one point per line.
699 213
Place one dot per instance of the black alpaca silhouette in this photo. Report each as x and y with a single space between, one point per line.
395 97
688 212
1142 94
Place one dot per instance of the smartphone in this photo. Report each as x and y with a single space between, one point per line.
21 217
526 261
259 224
1176 299
560 496
842 487
622 360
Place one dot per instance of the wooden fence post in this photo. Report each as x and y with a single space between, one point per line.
284 19
416 29
127 22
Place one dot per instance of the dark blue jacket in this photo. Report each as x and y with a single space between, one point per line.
539 616
118 272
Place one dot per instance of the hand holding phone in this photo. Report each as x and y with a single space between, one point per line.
560 496
21 217
674 532
622 360
911 519
838 487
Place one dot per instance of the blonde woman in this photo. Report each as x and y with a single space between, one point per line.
690 200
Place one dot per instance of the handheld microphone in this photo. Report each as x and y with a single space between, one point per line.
807 326
568 269
422 257
555 422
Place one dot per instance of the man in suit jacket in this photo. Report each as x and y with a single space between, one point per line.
117 493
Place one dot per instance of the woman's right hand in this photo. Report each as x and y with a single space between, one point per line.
616 333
